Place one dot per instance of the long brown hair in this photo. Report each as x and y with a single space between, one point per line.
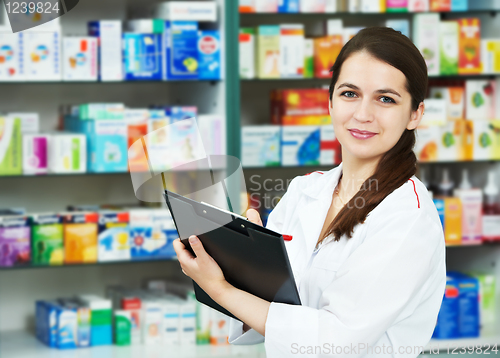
399 163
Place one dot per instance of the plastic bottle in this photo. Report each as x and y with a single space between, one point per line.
446 185
471 200
491 211
465 183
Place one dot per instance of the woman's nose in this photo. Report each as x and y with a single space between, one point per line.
363 112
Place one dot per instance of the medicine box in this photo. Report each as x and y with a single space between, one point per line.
312 6
180 39
426 38
10 146
80 237
300 145
67 153
459 5
42 56
188 322
326 50
260 146
30 122
447 321
308 58
266 6
209 55
298 102
449 35
418 5
397 5
123 327
268 51
480 99
171 320
288 6
490 56
35 154
152 311
164 233
440 5
247 52
101 319
142 245
402 26
14 241
99 111
213 131
47 240
142 56
12 66
291 50
219 329
455 100
134 306
452 221
80 59
468 305
205 11
113 237
83 329
109 34
469 60
486 140
329 146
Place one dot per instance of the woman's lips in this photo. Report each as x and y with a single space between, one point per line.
361 134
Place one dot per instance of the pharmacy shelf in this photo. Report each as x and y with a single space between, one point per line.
323 80
346 13
106 83
22 344
90 264
454 346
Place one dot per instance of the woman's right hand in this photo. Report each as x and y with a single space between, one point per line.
253 216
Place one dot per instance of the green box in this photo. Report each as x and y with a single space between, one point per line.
47 239
123 327
10 146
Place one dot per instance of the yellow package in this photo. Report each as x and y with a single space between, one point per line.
80 243
452 221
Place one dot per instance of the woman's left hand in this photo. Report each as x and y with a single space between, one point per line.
202 269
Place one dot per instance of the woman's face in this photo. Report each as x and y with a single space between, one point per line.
370 107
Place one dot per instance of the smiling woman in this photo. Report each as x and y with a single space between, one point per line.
367 253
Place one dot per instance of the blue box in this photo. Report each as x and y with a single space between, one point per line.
440 209
459 5
45 322
288 6
180 40
447 326
179 113
56 326
142 56
209 55
468 305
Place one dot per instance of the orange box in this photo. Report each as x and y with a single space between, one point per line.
313 120
440 5
80 237
326 50
469 46
136 160
298 102
452 221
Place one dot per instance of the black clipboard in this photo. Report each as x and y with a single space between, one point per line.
252 258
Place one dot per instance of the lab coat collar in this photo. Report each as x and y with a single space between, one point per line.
324 185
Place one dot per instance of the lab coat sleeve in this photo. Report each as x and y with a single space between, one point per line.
274 222
397 266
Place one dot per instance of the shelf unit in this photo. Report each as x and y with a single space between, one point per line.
255 111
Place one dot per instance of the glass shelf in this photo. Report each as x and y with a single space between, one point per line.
106 83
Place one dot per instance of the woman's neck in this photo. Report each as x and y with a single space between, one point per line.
355 172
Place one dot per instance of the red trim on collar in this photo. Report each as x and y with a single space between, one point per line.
287 237
314 172
415 190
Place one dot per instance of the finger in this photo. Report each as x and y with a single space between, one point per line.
253 216
183 255
197 247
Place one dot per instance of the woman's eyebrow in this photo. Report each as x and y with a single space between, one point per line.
380 91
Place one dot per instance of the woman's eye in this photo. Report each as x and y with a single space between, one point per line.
348 94
386 99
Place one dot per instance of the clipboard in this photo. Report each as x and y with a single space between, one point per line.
252 258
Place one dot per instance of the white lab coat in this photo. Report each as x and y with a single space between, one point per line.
381 290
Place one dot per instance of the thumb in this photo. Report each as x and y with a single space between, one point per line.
253 216
197 247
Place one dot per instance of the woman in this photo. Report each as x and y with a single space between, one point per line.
368 252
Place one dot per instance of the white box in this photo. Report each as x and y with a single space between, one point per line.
354 5
152 319
490 56
110 48
11 56
219 328
454 97
35 154
331 6
308 6
260 146
327 147
479 99
266 6
334 27
296 145
371 6
426 38
435 112
418 5
68 153
247 55
80 59
186 11
171 323
212 128
42 56
292 50
30 122
188 322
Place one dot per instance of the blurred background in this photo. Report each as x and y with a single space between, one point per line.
87 269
